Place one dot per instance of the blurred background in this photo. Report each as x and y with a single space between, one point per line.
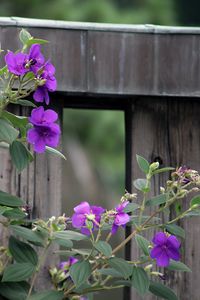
94 141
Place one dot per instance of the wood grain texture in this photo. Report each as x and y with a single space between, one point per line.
114 60
169 131
40 187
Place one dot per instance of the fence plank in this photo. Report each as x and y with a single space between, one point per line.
169 131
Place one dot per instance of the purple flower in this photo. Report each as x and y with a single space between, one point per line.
83 213
120 217
65 265
45 131
16 63
35 58
50 84
166 247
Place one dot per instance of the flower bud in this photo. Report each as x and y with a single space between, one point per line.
162 190
195 206
154 166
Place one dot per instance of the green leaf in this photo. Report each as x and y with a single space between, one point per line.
195 201
55 152
47 295
70 235
162 291
7 132
142 185
120 265
80 272
32 41
178 266
9 200
19 155
193 213
131 207
104 248
3 70
167 169
22 252
175 229
14 213
27 234
18 272
160 199
140 280
14 290
143 164
17 121
64 242
25 103
3 209
110 272
24 36
142 243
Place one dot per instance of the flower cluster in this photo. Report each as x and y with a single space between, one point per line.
21 63
185 175
44 132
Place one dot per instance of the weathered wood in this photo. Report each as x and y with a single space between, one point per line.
40 187
116 59
169 131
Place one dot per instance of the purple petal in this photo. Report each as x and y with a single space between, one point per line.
51 84
39 146
39 94
50 116
35 53
163 259
173 253
50 69
72 260
172 241
82 208
121 206
53 135
37 115
156 252
160 238
85 231
114 229
121 219
32 135
16 63
78 220
97 210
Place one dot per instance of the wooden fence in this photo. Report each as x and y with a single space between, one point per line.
151 73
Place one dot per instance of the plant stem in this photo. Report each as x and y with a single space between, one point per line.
40 263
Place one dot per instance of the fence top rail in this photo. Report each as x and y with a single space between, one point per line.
146 28
115 59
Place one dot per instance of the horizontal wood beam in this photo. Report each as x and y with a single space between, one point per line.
116 59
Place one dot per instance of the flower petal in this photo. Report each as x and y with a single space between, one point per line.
160 238
82 208
156 252
97 210
121 219
114 229
173 253
39 94
39 145
85 231
78 220
172 241
50 116
163 259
